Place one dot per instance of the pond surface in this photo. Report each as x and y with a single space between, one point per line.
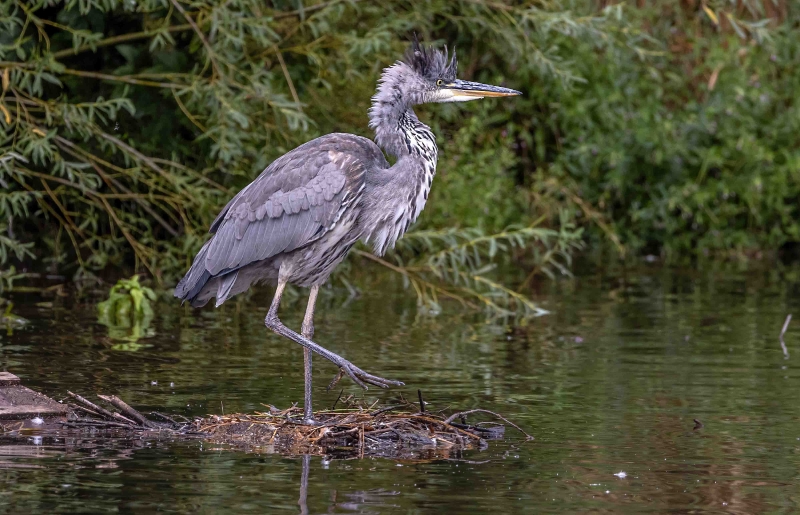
609 384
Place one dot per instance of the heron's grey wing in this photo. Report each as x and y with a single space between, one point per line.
292 203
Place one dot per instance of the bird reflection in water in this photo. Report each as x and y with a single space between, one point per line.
358 501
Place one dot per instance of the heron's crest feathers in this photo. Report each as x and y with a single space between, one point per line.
431 63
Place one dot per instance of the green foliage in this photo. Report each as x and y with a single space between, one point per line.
128 298
457 264
474 160
689 150
127 312
9 320
125 126
7 278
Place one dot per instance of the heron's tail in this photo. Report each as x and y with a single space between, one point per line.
193 283
198 286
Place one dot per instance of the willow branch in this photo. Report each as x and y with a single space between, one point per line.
288 78
61 207
188 114
122 78
131 240
143 203
118 39
200 35
135 153
404 272
62 223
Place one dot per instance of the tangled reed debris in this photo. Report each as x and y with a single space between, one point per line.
353 430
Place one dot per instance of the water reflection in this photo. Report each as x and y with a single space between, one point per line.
75 458
303 501
611 381
359 501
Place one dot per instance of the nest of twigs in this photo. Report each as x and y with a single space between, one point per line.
400 431
390 431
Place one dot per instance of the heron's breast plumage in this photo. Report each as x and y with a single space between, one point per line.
404 196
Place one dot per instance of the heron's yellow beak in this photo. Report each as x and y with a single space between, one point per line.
462 90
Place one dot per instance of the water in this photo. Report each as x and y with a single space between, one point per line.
610 382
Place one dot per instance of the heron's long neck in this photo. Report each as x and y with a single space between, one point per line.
397 129
400 133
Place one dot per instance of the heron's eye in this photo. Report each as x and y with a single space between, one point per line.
439 82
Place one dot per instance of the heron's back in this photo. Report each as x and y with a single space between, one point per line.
300 214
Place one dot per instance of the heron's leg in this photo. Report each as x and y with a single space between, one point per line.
276 301
308 332
356 374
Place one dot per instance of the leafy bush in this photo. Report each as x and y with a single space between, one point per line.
690 149
127 125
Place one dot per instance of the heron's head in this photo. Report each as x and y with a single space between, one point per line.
431 77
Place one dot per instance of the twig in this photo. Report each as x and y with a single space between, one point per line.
188 113
288 78
421 402
440 422
387 408
87 410
361 442
122 78
337 400
92 405
132 413
501 417
494 431
95 424
164 417
783 331
125 420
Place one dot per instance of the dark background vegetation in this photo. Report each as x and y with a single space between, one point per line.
664 128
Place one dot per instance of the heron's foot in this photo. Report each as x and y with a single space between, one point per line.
304 421
360 377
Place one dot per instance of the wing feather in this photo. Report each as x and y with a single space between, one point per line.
292 203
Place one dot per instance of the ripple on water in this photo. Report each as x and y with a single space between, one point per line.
609 384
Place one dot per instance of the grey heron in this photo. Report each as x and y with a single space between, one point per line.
299 218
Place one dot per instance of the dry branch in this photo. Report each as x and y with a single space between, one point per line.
132 413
